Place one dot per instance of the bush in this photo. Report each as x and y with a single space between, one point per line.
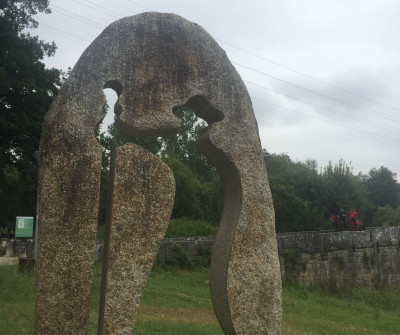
190 228
180 258
205 256
386 298
386 216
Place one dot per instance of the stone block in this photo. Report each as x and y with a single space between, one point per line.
10 249
143 191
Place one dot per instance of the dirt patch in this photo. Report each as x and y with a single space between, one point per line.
198 316
8 260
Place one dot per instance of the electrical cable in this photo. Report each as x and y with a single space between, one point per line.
77 17
287 82
371 123
307 75
98 10
108 10
139 5
261 57
321 119
64 32
262 101
317 93
273 62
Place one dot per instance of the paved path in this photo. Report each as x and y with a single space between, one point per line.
8 260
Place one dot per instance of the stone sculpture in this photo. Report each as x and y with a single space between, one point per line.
154 62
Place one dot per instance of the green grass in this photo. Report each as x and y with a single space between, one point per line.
178 289
190 228
17 294
351 311
179 228
156 327
178 302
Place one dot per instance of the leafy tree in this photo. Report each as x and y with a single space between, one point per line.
387 216
19 13
383 188
304 199
296 189
26 91
198 191
194 199
182 146
344 189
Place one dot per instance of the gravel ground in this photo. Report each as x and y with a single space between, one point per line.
8 260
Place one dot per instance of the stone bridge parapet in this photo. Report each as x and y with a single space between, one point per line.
369 258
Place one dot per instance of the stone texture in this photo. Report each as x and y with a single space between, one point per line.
142 196
156 62
339 259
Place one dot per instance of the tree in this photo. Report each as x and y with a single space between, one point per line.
198 190
27 89
182 146
383 188
344 189
297 193
387 216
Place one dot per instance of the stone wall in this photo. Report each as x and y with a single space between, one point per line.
17 248
196 247
369 258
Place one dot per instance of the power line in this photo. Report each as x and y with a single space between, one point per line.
365 121
65 32
371 123
106 9
307 75
100 11
265 59
79 18
258 56
139 5
317 93
321 119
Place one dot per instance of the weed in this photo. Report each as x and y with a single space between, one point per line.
291 259
205 256
190 228
178 302
340 262
368 260
291 256
180 258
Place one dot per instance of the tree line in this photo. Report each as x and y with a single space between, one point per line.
304 196
27 89
198 190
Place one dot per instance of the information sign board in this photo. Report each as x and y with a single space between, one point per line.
24 226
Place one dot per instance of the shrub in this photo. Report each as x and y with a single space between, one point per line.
189 228
180 258
205 256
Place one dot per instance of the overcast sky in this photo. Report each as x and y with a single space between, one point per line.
324 75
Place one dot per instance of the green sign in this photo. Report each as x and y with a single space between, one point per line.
24 226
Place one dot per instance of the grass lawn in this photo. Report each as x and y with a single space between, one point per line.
178 302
